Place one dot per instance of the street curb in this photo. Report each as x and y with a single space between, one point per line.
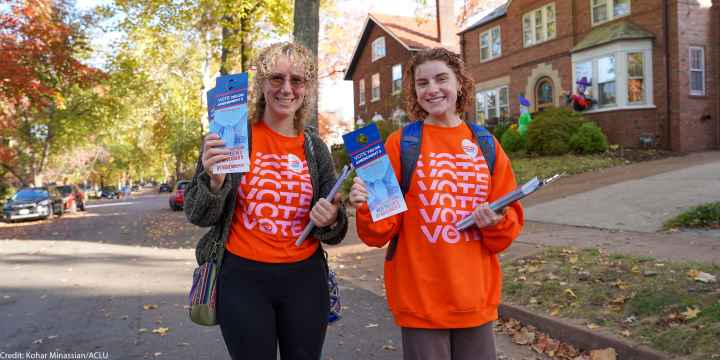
578 336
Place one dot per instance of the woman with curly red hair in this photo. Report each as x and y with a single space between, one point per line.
443 285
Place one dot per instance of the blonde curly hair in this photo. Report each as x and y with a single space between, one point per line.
264 64
454 62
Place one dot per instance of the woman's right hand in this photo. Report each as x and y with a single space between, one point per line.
358 192
214 152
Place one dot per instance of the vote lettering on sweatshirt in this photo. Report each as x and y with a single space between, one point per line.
274 199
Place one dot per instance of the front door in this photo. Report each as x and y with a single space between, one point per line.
544 93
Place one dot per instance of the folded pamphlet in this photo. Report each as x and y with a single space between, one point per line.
371 163
228 117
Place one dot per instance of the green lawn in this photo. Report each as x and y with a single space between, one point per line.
703 216
526 167
659 303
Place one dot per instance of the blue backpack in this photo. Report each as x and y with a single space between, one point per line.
410 142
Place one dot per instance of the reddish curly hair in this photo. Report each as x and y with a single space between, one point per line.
454 62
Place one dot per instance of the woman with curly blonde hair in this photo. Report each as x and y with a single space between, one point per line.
443 285
271 293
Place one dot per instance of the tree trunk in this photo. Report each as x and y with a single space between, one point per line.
306 31
246 43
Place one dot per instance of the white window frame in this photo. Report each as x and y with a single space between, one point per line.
619 51
491 40
483 94
396 88
361 92
378 49
701 69
610 12
373 98
544 25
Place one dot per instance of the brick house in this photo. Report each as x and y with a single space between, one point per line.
385 46
654 75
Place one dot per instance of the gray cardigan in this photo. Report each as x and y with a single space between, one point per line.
215 209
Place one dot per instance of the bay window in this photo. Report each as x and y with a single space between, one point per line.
619 75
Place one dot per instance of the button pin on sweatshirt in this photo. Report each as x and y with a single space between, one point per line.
294 163
469 148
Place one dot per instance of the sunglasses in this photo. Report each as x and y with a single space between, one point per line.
278 80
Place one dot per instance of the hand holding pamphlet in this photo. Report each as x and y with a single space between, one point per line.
367 154
228 117
528 188
344 173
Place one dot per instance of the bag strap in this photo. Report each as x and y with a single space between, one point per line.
409 153
486 141
410 141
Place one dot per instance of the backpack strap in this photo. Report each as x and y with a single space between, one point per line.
409 154
486 141
410 142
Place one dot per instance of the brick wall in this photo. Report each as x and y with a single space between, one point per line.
395 53
693 119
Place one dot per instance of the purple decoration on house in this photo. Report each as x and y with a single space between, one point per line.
523 101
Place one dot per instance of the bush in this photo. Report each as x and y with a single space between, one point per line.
589 139
499 129
550 131
512 141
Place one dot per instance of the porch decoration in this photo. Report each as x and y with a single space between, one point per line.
525 117
580 101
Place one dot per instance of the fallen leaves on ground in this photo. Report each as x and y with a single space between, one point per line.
690 313
603 354
162 331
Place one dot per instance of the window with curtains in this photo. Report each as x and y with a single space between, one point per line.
606 10
396 79
490 44
617 75
378 48
492 103
539 25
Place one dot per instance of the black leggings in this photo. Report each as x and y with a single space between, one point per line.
260 305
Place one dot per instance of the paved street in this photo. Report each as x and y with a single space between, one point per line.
81 283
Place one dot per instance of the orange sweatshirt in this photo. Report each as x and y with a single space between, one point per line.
273 203
441 278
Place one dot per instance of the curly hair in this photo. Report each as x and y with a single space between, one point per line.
264 64
454 62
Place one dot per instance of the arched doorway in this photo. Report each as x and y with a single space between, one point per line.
544 93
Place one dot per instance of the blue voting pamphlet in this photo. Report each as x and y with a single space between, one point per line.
367 155
228 116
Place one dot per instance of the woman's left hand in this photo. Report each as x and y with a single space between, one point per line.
324 213
484 216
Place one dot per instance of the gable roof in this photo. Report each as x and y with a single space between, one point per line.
412 33
615 31
496 13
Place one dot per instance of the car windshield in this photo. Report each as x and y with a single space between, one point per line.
30 195
66 189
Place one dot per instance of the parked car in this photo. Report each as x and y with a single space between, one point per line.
109 192
164 187
90 192
33 203
177 199
68 197
74 198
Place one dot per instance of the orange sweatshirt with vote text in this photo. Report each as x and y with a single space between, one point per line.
273 203
442 278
